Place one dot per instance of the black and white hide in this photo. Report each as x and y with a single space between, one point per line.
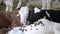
42 26
29 17
37 14
54 15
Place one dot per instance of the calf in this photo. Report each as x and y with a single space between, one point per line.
54 25
52 15
24 14
37 14
42 26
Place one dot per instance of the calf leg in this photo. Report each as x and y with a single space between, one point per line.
44 4
7 8
49 4
0 1
19 4
9 5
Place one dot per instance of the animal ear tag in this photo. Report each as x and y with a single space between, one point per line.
44 17
17 15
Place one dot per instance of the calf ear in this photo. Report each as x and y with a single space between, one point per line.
44 17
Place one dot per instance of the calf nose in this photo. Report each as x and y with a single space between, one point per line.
23 22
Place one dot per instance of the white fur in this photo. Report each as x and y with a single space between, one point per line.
29 31
23 14
9 4
56 28
15 30
53 26
48 28
36 10
47 14
34 31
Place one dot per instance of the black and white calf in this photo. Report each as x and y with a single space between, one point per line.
42 26
32 16
53 15
29 29
37 14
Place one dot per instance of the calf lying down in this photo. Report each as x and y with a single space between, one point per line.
42 26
